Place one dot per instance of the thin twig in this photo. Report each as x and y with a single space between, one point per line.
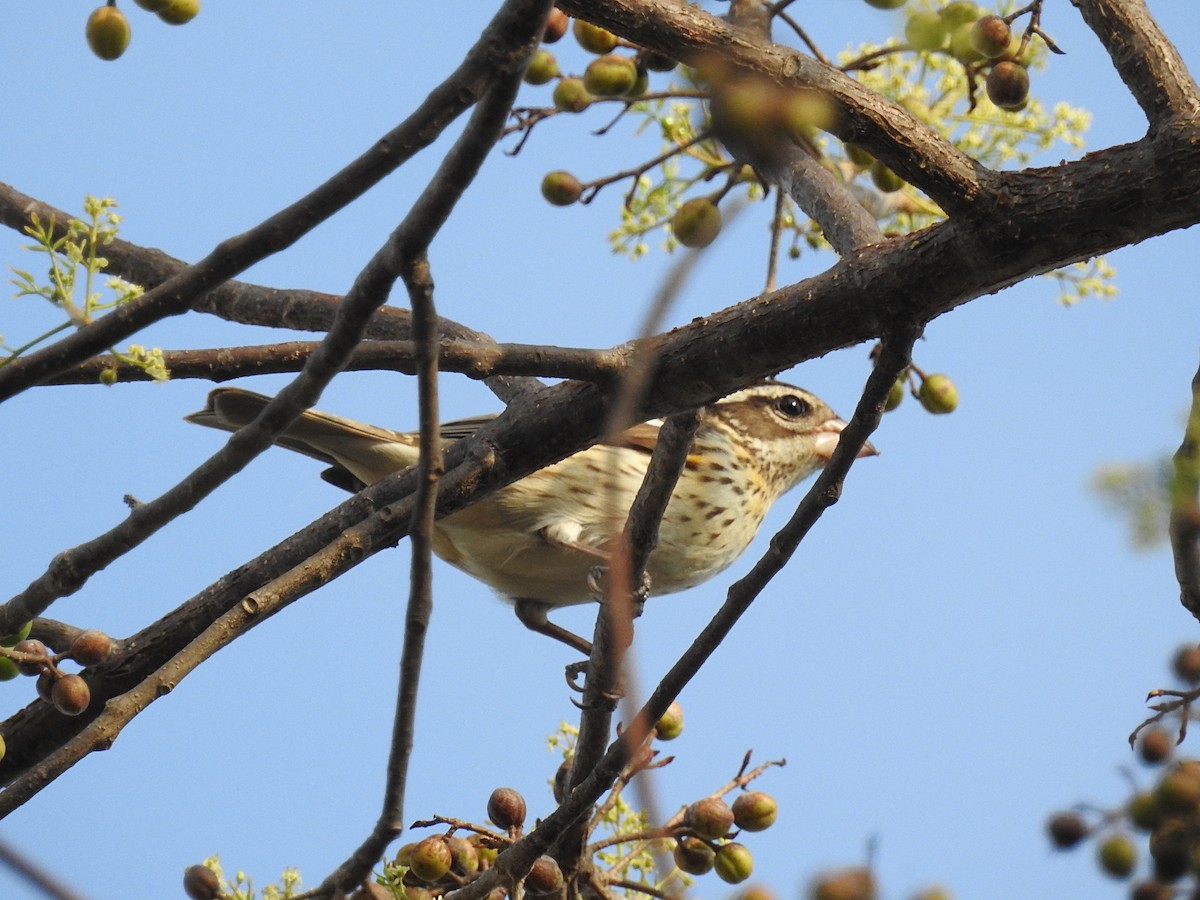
475 360
406 251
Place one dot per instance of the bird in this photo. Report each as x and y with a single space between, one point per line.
538 540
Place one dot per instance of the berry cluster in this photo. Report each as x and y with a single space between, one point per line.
1167 813
22 655
108 30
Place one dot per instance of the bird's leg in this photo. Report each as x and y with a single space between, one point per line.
597 581
533 615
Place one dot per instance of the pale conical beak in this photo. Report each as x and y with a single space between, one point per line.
828 433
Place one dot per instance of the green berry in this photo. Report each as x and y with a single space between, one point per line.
1144 811
754 811
962 47
859 156
696 223
542 68
561 188
17 636
153 5
885 179
733 863
886 4
896 394
179 12
8 669
938 394
670 726
570 95
107 32
430 859
960 12
593 38
1117 856
925 30
610 75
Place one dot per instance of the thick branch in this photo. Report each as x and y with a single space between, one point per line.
1145 59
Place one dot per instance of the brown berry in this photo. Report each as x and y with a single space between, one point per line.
561 188
45 685
1066 830
962 47
544 878
107 32
848 884
70 695
34 648
1171 850
656 62
557 24
693 855
201 883
1155 746
506 808
1151 890
1186 663
1008 85
90 648
991 36
754 811
709 818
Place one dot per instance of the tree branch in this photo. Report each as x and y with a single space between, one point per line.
491 55
478 361
909 147
1145 59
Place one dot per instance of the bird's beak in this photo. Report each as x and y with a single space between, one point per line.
828 434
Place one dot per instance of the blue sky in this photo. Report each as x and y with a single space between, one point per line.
961 647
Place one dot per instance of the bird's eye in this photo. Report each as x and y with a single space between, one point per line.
792 406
